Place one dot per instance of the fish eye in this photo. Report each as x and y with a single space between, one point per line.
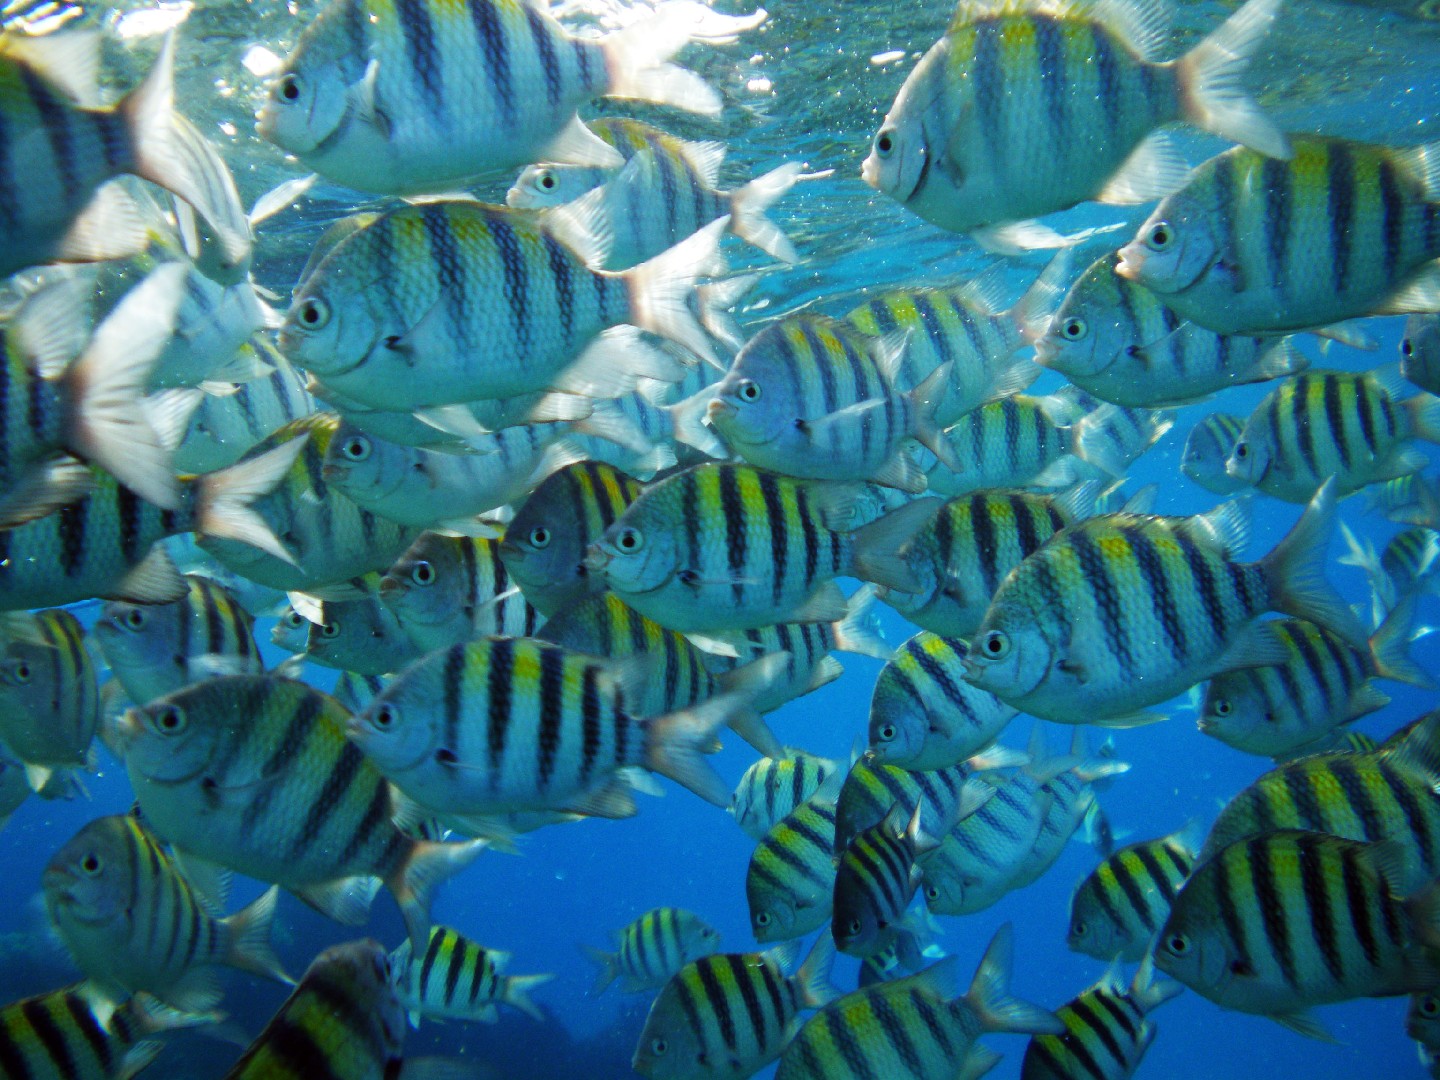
932 892
386 716
422 573
90 864
313 313
749 391
330 630
1406 348
1079 929
763 919
539 537
1241 451
885 144
1159 236
546 180
135 619
886 732
996 645
356 448
289 89
20 672
853 928
1430 1005
1177 944
170 720
293 620
658 1047
1222 707
1074 329
630 541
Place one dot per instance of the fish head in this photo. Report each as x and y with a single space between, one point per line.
772 915
426 585
903 152
1090 330
1010 654
756 400
855 923
331 327
167 742
1422 1019
291 631
142 639
1090 932
1420 351
90 878
1190 947
316 91
355 460
1233 708
637 554
943 889
1175 248
898 726
28 679
1204 458
544 549
1252 455
398 730
360 972
668 1048
546 185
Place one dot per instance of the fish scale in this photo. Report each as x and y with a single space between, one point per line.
790 882
1117 909
652 949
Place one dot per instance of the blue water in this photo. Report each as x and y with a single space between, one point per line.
1368 71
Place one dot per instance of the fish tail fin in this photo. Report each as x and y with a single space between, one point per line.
1390 647
679 741
1295 571
637 62
249 946
517 993
420 874
747 212
226 498
1211 84
1424 411
876 549
609 965
989 994
660 290
926 400
860 632
813 978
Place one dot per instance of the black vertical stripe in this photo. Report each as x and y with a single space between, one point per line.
552 706
1087 1015
490 36
1335 416
421 50
432 956
1223 891
515 282
718 1004
1319 915
562 273
740 971
1273 915
449 267
1357 902
1340 198
540 34
779 534
499 684
1198 562
897 1033
589 721
1392 227
452 684
1276 179
454 967
83 1020
987 546
55 120
51 1037
1162 597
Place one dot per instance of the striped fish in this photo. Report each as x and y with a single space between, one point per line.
652 949
225 426
1333 423
215 340
153 649
470 301
1116 339
731 1014
1420 352
812 397
773 787
1252 244
875 879
281 796
723 547
446 590
1073 804
667 189
520 724
1116 910
47 672
924 715
344 1021
1124 611
456 979
133 922
330 538
1024 108
65 1035
545 544
922 1027
963 552
400 99
1207 449
945 795
1277 923
361 635
965 327
1324 682
1107 1030
790 882
356 692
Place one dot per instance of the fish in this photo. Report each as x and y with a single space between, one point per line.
291 631
1119 341
1022 109
875 880
504 724
1278 923
924 715
371 96
361 635
254 772
230 419
732 1013
14 788
790 881
667 189
1073 805
132 921
1107 1029
457 979
1420 1025
652 949
1324 682
343 1021
545 544
1340 230
445 590
922 1027
1124 611
47 672
386 320
1207 450
944 795
1420 352
814 398
1341 424
722 547
63 209
154 649
1117 908
773 787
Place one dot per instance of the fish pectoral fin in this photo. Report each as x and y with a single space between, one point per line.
425 338
1073 668
1302 1023
1153 170
1229 274
346 900
367 104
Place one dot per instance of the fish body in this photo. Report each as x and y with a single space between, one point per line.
875 880
224 426
772 788
869 791
1420 352
361 635
457 979
49 696
1118 908
790 882
652 949
1207 450
65 1035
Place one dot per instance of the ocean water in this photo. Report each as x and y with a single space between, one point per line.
803 87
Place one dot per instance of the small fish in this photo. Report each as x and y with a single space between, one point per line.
1207 450
229 419
1119 341
344 1020
291 631
1340 230
666 190
733 1013
1117 909
254 772
544 547
723 547
875 879
132 921
924 715
1107 1030
456 979
47 672
1001 120
1123 611
446 590
814 398
944 795
772 788
922 1027
154 649
1420 352
652 949
385 320
361 635
790 882
1073 804
1275 924
421 99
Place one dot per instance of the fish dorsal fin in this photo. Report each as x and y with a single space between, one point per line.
331 239
70 61
705 158
1225 529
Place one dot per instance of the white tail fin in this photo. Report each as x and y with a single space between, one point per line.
420 874
660 291
226 498
989 994
1295 571
249 944
517 993
1211 84
635 59
747 212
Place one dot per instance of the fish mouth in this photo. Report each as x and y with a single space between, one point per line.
1046 352
391 587
1130 262
870 172
596 560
